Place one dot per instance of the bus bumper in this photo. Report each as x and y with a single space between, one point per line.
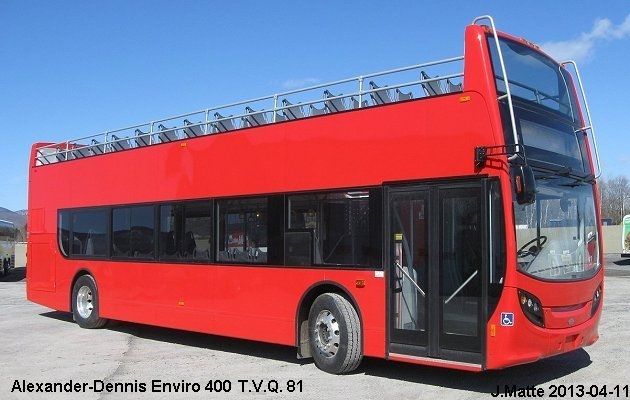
516 340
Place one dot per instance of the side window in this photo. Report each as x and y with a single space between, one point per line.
186 231
133 232
63 232
243 230
89 233
171 231
330 228
198 230
302 244
121 232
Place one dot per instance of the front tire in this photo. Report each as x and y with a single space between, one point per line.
85 306
334 334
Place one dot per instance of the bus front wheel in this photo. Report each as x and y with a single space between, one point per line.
334 334
85 303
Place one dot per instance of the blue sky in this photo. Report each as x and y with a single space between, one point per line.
73 68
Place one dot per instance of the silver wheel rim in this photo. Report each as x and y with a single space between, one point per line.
84 302
326 334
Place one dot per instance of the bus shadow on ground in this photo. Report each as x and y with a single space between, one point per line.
534 374
59 316
210 342
195 339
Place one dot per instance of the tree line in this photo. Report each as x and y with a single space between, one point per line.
615 198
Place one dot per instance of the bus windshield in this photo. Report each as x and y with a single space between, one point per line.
557 234
533 77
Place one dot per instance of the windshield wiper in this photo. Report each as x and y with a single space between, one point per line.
561 171
567 172
579 181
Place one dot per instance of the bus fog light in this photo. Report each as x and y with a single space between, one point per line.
531 307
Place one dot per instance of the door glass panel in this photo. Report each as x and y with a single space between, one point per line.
460 275
410 261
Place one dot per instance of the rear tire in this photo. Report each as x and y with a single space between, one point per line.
85 306
334 334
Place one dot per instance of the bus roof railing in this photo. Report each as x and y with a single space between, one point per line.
588 126
351 93
508 94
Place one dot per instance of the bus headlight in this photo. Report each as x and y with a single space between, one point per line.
597 298
531 307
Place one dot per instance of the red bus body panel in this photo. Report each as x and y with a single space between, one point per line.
352 149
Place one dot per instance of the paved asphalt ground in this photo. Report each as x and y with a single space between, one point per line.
41 346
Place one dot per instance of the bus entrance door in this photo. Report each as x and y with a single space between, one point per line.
436 241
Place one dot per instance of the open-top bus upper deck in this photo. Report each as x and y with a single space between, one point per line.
375 89
424 80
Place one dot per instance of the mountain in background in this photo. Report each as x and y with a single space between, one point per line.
18 218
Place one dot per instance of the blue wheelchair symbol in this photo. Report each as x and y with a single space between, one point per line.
507 319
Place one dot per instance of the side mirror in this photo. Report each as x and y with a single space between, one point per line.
524 183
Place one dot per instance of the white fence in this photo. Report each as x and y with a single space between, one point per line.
612 238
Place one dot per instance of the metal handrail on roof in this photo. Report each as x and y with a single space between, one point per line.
241 113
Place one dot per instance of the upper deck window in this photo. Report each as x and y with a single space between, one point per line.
533 77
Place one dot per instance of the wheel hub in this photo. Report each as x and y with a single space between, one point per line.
84 302
327 333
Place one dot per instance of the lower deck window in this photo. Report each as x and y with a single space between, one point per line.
133 232
243 230
186 231
339 226
326 228
89 233
63 232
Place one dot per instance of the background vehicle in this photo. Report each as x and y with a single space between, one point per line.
441 214
625 236
7 246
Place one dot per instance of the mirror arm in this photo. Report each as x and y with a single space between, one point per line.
511 150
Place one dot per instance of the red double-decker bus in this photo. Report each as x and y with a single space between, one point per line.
443 214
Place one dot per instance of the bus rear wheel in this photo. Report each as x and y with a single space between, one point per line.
85 307
334 334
